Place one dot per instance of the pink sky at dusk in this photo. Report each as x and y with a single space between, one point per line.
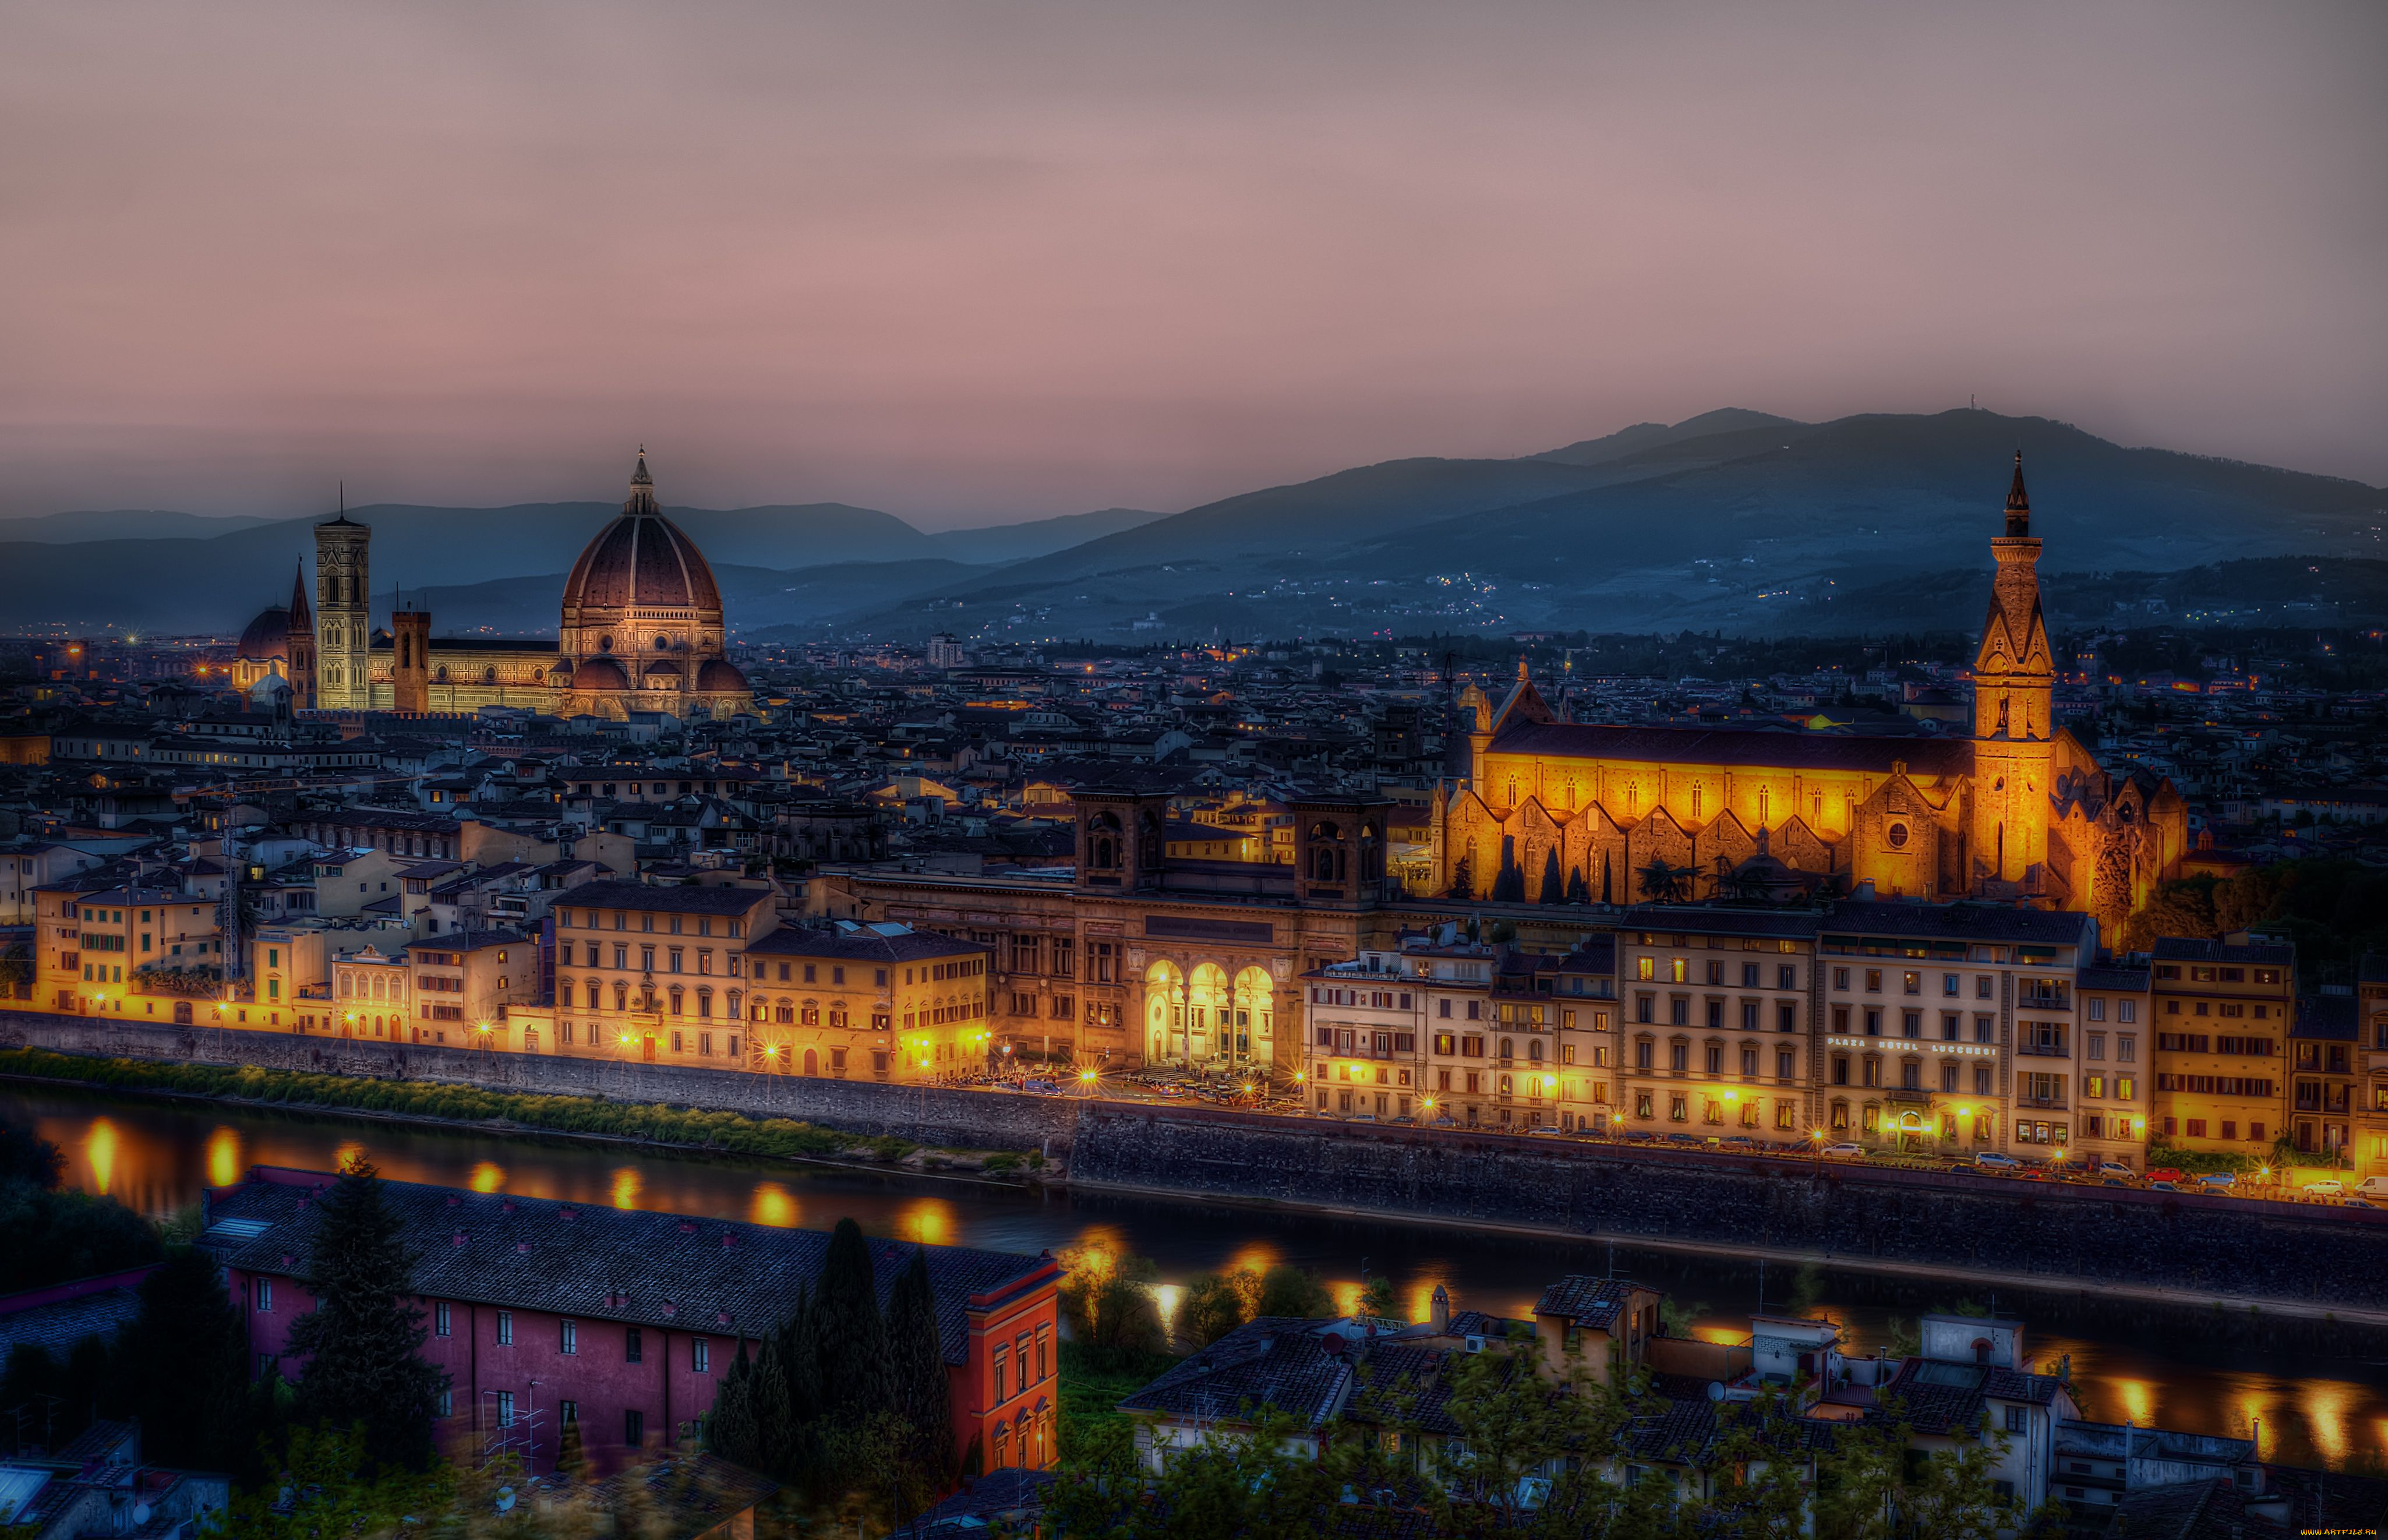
987 259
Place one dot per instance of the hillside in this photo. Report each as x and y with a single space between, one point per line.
1733 520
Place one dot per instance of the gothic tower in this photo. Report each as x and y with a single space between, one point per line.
410 662
343 616
2015 681
303 645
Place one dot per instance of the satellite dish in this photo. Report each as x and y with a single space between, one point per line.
1716 1390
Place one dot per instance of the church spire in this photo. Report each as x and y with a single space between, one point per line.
300 616
2018 505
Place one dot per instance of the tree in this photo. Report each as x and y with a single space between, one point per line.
1509 882
182 1368
25 1156
1553 886
921 1395
1377 1297
362 1343
730 1428
1214 1306
851 1335
1107 1299
1664 883
1578 890
1287 1290
329 1483
1463 879
59 1234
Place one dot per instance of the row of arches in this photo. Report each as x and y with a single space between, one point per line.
1208 1018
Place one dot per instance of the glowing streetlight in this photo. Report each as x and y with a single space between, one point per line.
1551 1083
1086 1078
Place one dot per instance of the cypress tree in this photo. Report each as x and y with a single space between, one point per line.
1553 887
851 1333
182 1368
917 1349
777 1444
1578 891
729 1427
362 1342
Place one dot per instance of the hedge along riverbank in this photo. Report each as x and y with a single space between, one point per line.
730 1133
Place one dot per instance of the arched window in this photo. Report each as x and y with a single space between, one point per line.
1534 1049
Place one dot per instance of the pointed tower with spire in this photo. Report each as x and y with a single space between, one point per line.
302 644
2014 686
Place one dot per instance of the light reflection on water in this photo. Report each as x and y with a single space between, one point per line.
156 1156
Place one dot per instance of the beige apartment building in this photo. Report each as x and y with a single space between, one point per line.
881 1001
656 974
2111 1119
1952 1028
2222 1013
1715 1035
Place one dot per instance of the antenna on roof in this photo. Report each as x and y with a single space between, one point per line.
344 497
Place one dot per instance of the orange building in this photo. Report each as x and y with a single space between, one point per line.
2019 809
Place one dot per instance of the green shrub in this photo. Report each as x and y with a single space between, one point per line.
732 1133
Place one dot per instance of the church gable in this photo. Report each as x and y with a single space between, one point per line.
1800 848
1723 845
1657 841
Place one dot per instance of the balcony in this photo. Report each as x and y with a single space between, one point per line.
1907 1095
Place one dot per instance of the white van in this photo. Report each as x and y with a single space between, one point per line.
2373 1186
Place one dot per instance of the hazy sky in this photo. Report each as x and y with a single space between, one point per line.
988 259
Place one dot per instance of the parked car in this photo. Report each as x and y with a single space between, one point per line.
2163 1174
2116 1169
2163 1186
2373 1186
1845 1151
1040 1087
2217 1181
1991 1160
1545 1131
2329 1187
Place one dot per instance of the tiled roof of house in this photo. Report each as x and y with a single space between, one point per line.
663 1270
1966 921
1585 1300
1939 1397
864 943
55 1326
1708 746
2174 948
1275 1361
2332 1017
683 898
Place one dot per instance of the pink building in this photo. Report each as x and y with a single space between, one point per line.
624 1321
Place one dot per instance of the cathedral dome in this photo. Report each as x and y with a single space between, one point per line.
643 560
719 675
268 636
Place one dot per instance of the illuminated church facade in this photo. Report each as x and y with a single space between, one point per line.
2019 809
641 630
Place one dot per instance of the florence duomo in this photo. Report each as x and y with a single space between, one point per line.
641 630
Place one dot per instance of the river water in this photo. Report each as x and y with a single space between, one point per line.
2315 1395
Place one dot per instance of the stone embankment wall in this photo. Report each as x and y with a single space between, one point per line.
1976 1229
974 1120
1986 1230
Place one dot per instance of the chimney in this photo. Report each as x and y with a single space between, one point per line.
1439 1312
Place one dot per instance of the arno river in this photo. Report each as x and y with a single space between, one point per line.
2320 1396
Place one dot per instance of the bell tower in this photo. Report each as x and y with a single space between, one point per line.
2014 686
343 616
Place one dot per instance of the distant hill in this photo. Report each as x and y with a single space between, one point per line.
1760 526
123 524
1733 519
